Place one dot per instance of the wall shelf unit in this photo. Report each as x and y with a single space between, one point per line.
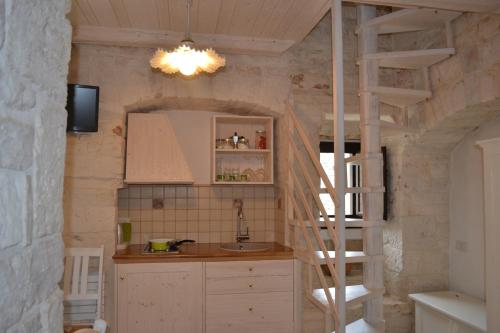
242 151
234 166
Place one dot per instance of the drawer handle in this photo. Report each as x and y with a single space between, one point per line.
122 278
250 269
250 286
250 309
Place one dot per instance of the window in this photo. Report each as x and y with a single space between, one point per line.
353 202
353 207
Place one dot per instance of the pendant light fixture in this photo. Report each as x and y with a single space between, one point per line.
186 59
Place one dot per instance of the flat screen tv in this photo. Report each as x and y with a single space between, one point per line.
83 108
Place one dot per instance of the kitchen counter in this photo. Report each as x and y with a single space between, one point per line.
200 252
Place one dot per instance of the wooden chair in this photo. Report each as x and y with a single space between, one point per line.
82 283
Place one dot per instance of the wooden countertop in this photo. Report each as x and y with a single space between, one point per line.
200 252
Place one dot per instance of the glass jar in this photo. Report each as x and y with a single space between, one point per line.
243 143
227 144
219 171
227 174
260 139
235 173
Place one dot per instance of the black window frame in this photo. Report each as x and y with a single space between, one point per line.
354 147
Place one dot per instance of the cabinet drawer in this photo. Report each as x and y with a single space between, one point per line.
249 284
263 312
249 268
254 327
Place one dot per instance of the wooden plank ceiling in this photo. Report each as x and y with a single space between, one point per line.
235 26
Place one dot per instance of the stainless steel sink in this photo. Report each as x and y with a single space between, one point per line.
244 247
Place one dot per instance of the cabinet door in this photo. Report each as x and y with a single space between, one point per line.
153 298
153 152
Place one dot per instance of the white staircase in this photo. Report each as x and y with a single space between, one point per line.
310 236
406 20
417 59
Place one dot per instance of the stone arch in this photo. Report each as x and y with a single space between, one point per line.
205 104
236 107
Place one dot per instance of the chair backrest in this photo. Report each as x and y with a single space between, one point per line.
83 276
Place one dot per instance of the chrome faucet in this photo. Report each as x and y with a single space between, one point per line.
240 236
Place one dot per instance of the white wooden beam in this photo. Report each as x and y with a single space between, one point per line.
156 38
491 172
475 6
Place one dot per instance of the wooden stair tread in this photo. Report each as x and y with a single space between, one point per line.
358 190
354 294
349 223
350 256
361 326
410 59
400 97
356 159
406 20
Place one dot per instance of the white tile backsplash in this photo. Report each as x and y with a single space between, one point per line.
202 213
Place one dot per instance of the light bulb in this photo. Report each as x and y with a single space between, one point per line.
187 68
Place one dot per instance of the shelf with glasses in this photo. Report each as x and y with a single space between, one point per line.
242 151
244 166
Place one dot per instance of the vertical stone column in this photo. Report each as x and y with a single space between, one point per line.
34 52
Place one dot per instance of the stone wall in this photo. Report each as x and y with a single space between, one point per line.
34 53
465 95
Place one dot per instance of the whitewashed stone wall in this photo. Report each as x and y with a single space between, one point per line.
466 93
34 53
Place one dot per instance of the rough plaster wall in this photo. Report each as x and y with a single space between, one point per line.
467 212
94 163
466 93
34 52
416 237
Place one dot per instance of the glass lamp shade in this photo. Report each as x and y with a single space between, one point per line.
187 60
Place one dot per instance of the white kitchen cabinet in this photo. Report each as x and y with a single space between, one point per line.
154 155
249 296
159 297
211 297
